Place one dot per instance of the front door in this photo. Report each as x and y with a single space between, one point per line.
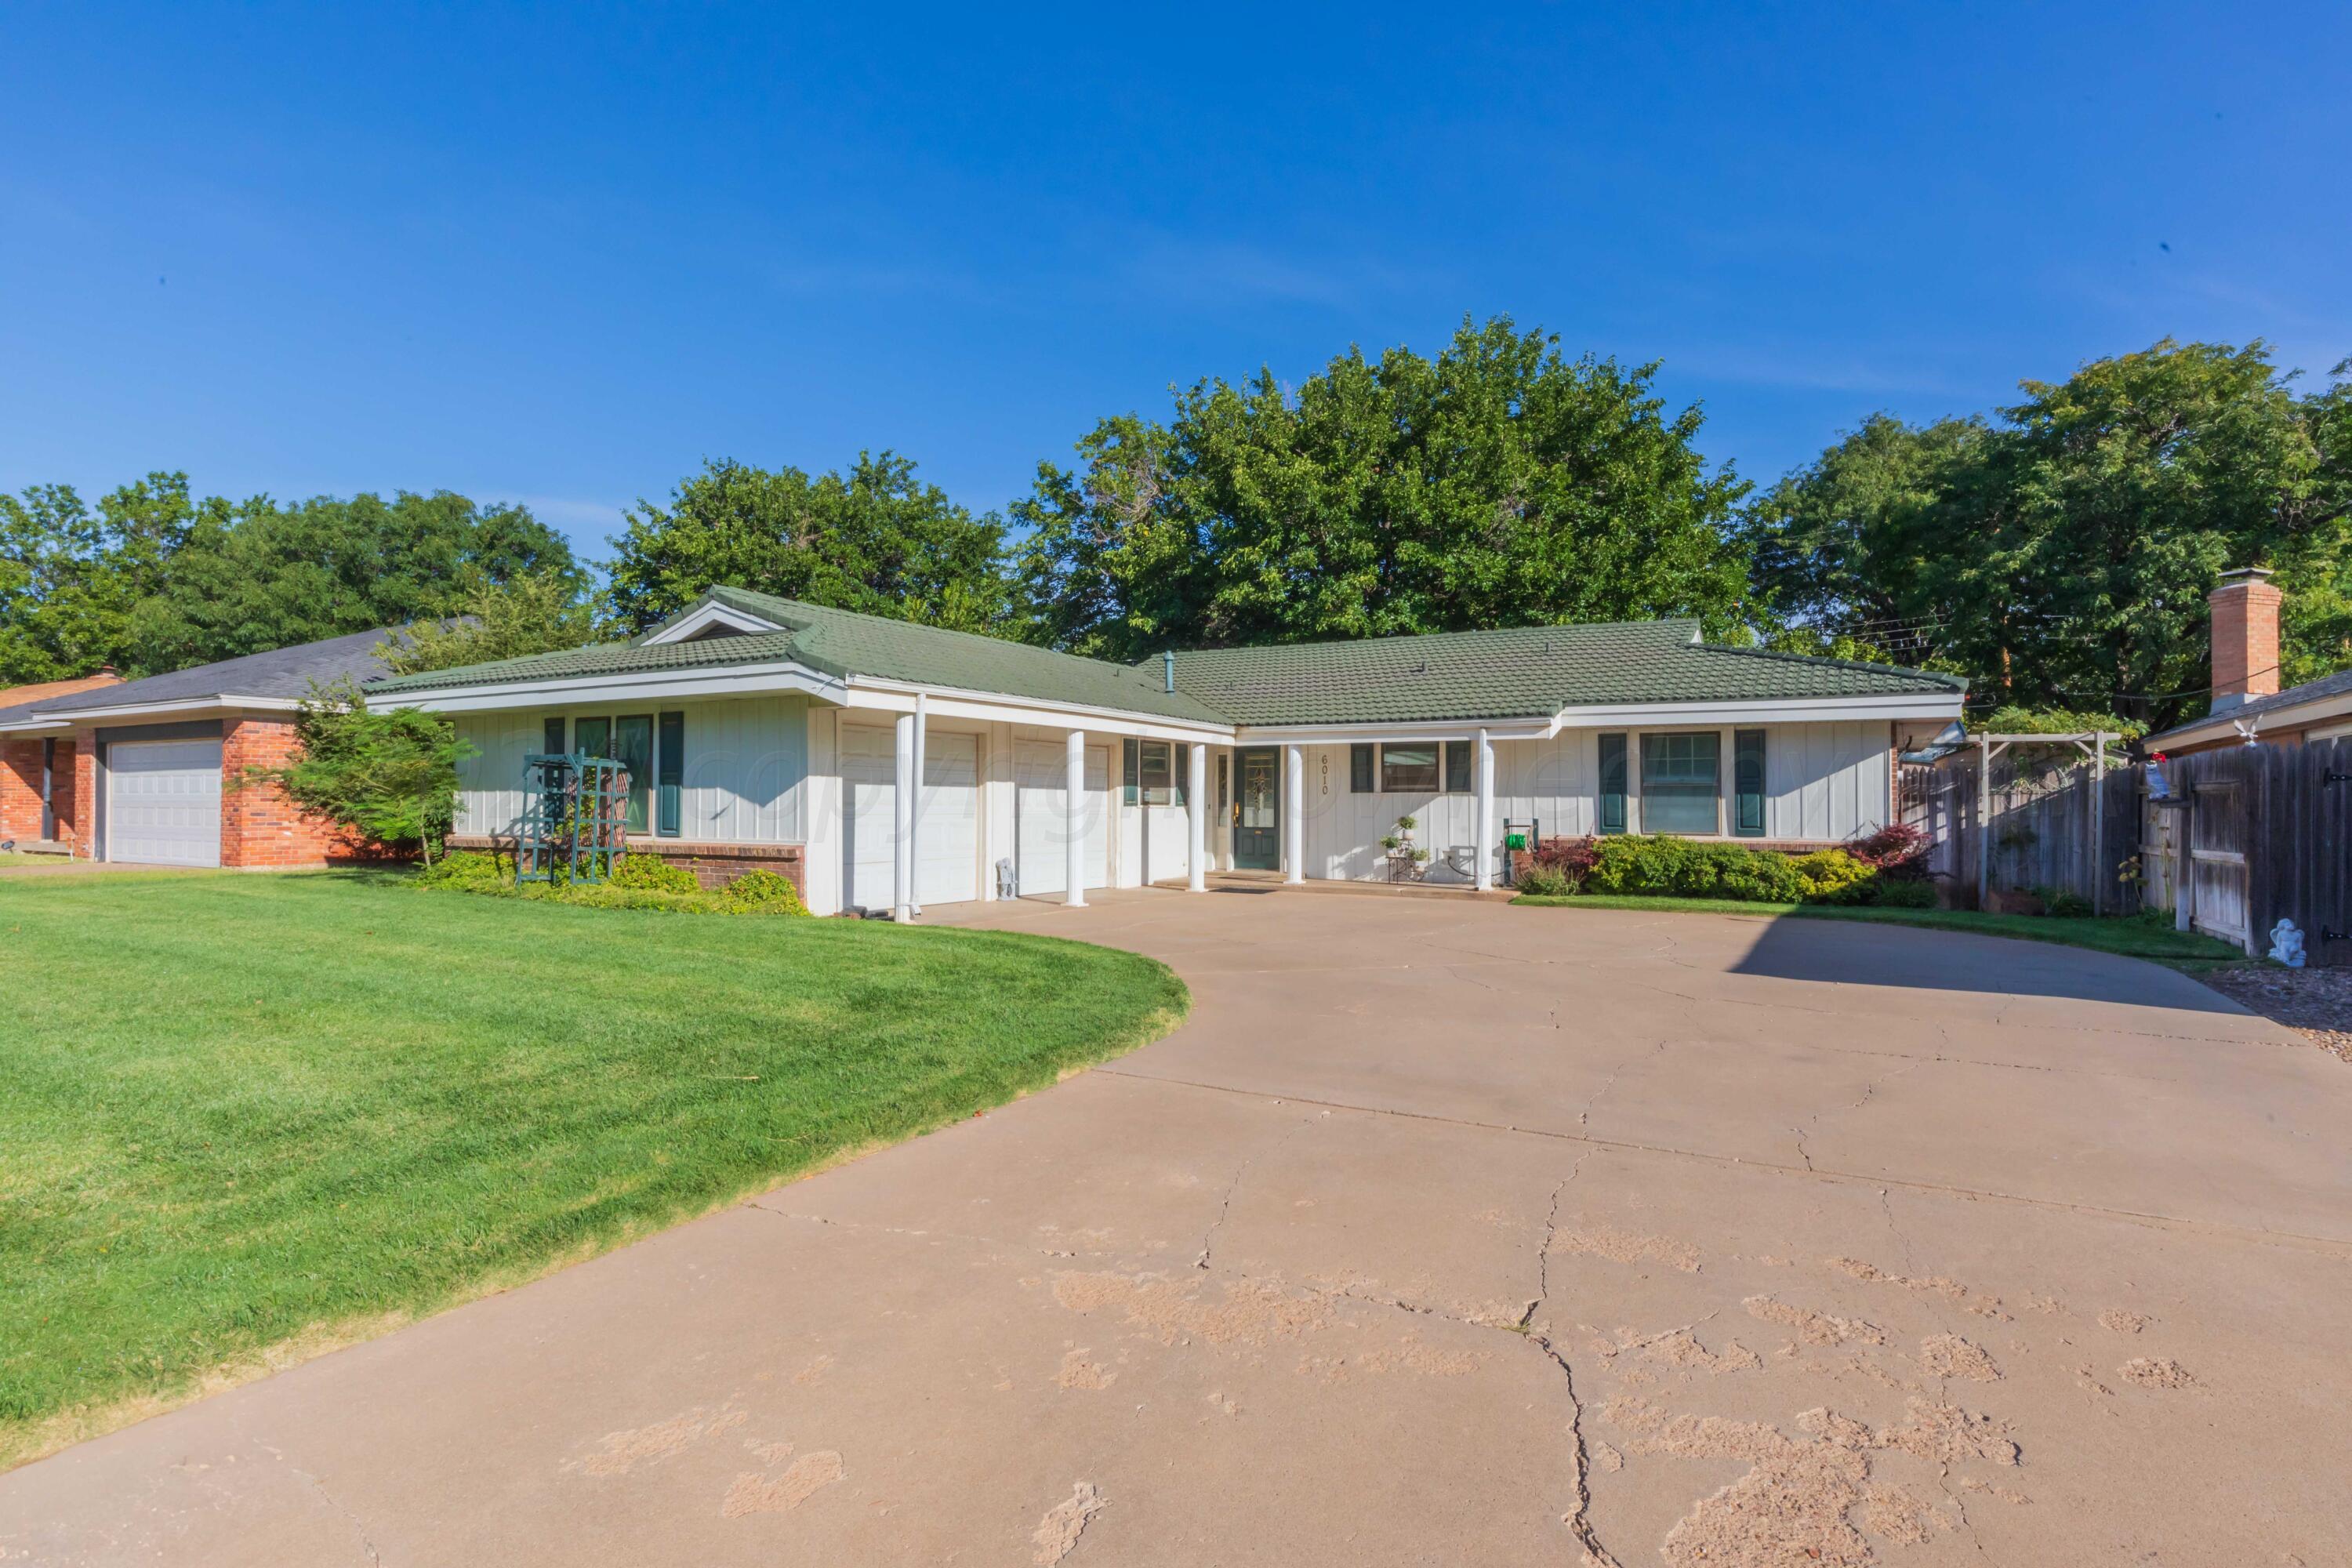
1257 811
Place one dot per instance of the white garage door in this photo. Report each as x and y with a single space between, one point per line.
162 802
1041 772
948 844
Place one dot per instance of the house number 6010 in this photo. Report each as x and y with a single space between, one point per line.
1323 780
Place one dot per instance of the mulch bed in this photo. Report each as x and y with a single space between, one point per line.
2315 1003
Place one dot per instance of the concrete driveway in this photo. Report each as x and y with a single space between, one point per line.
1444 1232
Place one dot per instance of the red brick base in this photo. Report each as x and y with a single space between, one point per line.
713 865
261 828
20 788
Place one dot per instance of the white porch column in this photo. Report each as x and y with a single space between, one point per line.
1074 804
902 865
1196 820
1294 813
915 808
1485 879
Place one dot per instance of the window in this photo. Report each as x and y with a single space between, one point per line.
1748 782
553 737
628 740
1359 768
1152 773
1224 781
1130 771
1612 784
1409 770
1457 767
1682 783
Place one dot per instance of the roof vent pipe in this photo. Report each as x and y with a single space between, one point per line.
1167 669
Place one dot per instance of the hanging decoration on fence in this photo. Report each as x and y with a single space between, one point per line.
575 809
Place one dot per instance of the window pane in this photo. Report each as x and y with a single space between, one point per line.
1612 784
1406 770
1747 782
1225 782
1130 764
593 737
1159 773
1360 768
1680 781
633 748
1457 767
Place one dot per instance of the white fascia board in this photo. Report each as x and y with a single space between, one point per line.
643 686
1768 710
187 706
1403 734
2221 726
713 613
32 726
994 707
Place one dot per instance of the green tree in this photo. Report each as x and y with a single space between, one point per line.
69 578
260 575
388 774
876 540
2315 566
539 612
1498 484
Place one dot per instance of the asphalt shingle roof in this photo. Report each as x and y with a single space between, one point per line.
281 672
2335 685
1524 672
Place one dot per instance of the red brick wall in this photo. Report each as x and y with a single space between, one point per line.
260 826
2245 636
63 795
20 788
85 791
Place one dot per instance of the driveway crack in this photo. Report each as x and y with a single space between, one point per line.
1225 1204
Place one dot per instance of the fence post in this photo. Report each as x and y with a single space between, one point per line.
2099 821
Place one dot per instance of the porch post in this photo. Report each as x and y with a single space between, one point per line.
1486 877
1294 813
1196 818
902 866
1074 807
915 808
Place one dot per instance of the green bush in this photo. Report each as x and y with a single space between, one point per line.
1900 895
1545 883
764 892
1834 877
654 875
464 869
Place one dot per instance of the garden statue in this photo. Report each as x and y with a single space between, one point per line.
2286 945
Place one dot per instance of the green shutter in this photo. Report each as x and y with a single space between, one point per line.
552 737
1612 784
1360 768
1747 782
1180 772
670 774
1130 768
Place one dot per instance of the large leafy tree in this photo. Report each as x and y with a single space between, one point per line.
2061 555
875 539
71 577
539 612
260 575
1498 484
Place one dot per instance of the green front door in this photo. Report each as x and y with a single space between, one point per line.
1257 811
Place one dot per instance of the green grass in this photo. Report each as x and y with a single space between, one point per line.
248 1118
2129 937
10 857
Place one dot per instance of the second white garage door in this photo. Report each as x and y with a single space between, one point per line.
162 802
946 845
1042 772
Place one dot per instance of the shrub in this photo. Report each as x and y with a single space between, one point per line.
653 874
2064 905
1904 895
764 892
464 869
1897 850
1545 883
1834 877
1766 879
1566 860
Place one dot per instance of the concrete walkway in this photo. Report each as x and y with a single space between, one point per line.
1444 1232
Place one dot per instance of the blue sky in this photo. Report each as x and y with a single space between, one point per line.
563 254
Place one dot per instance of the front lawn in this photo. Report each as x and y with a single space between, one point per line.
2131 938
248 1118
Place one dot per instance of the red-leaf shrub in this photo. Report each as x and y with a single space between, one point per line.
1898 851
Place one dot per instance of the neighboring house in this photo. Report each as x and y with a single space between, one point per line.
2248 705
144 770
762 731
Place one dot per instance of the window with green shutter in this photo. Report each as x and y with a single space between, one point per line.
1748 782
669 772
1612 784
1409 770
1360 768
1682 781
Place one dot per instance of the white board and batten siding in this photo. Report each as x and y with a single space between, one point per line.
946 844
1041 816
745 780
1823 783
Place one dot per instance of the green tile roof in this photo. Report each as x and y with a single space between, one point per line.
1524 672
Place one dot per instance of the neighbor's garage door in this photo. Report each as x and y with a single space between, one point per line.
946 844
1041 770
162 802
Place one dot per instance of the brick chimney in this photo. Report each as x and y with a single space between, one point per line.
2245 636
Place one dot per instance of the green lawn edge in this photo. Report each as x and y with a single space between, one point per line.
148 1260
2190 951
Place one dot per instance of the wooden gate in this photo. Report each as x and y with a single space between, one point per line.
2269 838
2218 890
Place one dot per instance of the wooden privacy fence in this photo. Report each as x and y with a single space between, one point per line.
2265 835
2047 837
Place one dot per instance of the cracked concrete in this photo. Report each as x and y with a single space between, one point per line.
1441 1232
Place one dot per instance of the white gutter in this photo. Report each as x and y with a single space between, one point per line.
121 713
958 702
2223 726
716 680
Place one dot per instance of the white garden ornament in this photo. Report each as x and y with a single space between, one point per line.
2286 945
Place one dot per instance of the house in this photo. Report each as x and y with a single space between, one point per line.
2248 705
760 731
145 770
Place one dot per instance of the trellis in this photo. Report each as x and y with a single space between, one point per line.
575 813
2092 743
